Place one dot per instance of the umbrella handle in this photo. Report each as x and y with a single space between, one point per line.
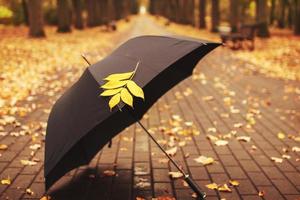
187 178
195 187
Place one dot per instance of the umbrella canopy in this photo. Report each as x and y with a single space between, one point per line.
81 122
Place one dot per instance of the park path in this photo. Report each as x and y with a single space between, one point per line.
226 101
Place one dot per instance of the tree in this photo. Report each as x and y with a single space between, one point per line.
111 10
77 5
91 13
261 17
35 18
215 15
234 15
64 14
281 19
297 18
25 11
272 11
202 13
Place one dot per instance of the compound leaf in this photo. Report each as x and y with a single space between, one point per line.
114 101
118 77
114 84
111 92
126 97
135 89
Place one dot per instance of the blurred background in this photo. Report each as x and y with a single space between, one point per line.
209 14
248 85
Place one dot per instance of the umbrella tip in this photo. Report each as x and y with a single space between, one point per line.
86 60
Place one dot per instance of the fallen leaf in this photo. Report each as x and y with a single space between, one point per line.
28 162
211 137
234 182
163 160
35 146
286 156
109 173
172 151
244 138
6 181
221 142
277 160
3 146
212 186
204 160
182 143
139 198
296 149
224 188
281 135
208 98
29 192
46 198
175 174
261 193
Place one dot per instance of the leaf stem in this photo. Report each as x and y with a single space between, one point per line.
136 67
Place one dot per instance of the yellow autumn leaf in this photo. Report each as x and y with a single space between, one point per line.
135 89
29 191
204 160
212 186
281 135
114 100
118 77
28 162
114 84
175 174
261 193
3 146
6 181
126 97
234 182
224 188
111 92
46 198
109 173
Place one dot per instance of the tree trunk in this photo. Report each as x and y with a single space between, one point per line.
234 15
297 18
272 11
64 14
215 15
91 6
202 13
25 11
281 20
35 18
111 10
262 19
78 14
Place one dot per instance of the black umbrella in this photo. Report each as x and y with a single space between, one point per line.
81 122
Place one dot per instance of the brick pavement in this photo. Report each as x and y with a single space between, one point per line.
224 96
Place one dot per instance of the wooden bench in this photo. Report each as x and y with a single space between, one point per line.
244 37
